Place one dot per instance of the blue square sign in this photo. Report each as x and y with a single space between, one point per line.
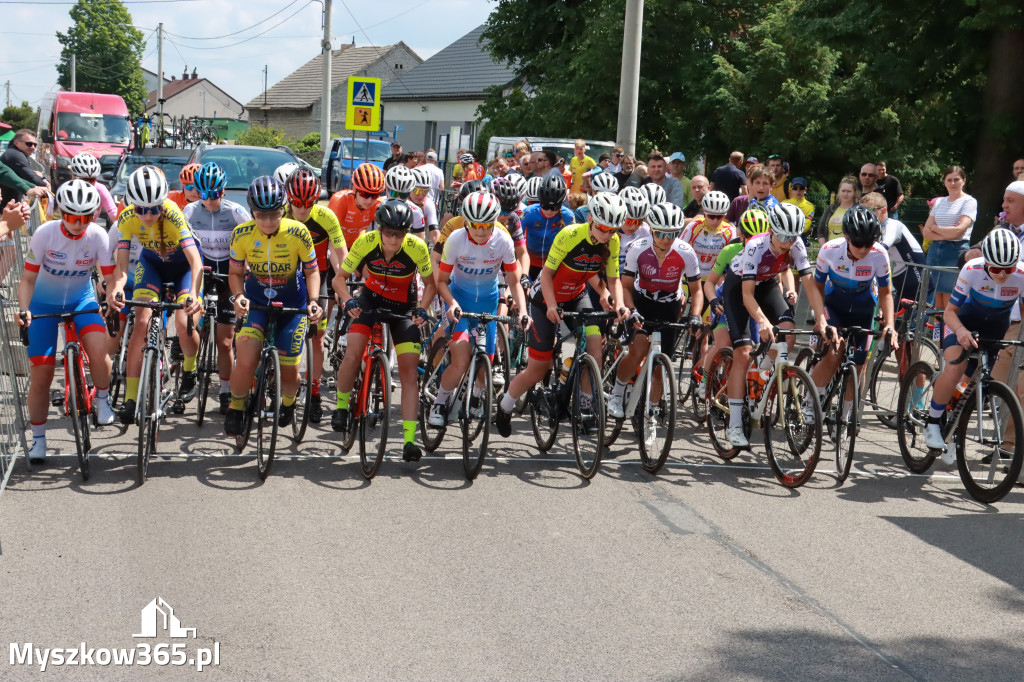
364 94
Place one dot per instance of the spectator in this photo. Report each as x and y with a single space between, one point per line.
699 187
780 188
545 163
436 175
1013 207
949 228
759 180
579 206
729 178
751 161
16 158
868 179
526 166
498 167
15 215
1018 169
604 161
677 168
580 164
626 165
409 160
798 188
12 181
396 156
618 154
830 223
638 177
890 188
657 170
520 151
562 167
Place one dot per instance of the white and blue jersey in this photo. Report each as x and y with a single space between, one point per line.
977 294
848 280
63 263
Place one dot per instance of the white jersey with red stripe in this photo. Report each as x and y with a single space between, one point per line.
757 262
708 243
475 268
63 262
661 281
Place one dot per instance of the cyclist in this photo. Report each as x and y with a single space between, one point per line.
903 248
468 280
751 290
391 257
844 272
578 254
188 192
606 182
655 193
531 193
420 197
85 166
543 221
168 253
635 227
212 219
400 182
56 280
284 171
652 280
709 233
355 208
986 290
275 249
303 190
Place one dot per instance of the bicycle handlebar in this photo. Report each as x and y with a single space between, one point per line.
66 317
487 317
165 305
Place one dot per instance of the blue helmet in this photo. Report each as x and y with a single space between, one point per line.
210 178
266 193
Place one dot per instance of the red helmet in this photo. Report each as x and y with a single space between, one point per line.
188 174
303 188
368 178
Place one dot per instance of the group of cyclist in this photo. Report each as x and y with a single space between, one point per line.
633 255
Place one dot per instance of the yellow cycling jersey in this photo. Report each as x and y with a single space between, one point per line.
167 238
274 260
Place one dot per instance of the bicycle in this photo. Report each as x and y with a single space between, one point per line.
158 369
263 404
773 403
988 470
470 402
563 397
649 416
78 391
206 366
119 364
690 372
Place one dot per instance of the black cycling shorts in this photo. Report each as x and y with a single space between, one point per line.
543 332
404 333
659 311
768 296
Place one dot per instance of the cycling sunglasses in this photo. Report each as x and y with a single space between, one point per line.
189 188
149 210
603 228
366 195
665 234
482 226
634 222
302 204
785 238
551 207
394 234
709 216
76 219
861 245
998 270
212 194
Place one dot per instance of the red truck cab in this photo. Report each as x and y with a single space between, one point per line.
74 122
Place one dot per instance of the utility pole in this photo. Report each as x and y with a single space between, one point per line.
629 80
325 95
8 86
265 108
160 74
73 69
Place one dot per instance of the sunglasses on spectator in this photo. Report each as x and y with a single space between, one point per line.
212 194
797 188
482 226
149 210
664 234
302 204
30 144
190 188
365 195
774 156
876 209
868 175
997 270
76 219
619 156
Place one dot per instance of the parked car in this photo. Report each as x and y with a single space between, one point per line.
242 164
345 154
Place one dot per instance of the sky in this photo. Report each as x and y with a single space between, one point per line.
235 64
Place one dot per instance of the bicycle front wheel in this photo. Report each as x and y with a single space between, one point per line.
587 415
544 413
990 444
148 408
430 383
300 420
476 416
716 401
657 422
267 411
846 422
884 384
373 423
912 415
207 365
75 374
792 441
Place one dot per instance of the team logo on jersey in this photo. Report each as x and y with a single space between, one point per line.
584 259
842 267
863 272
58 255
386 265
257 244
649 270
1009 291
987 288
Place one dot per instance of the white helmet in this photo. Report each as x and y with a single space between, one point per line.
715 203
605 182
655 194
608 209
147 186
481 207
466 158
421 178
85 165
284 171
787 220
519 182
400 179
533 189
1001 248
666 217
78 197
637 203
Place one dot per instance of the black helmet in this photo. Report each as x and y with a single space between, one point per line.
469 187
860 226
552 192
394 214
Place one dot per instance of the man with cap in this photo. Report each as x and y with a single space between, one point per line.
396 156
798 197
677 169
729 178
436 175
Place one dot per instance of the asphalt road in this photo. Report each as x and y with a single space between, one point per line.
710 570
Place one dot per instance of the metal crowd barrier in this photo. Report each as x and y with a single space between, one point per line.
13 357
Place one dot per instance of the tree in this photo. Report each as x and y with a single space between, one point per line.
108 52
258 136
23 116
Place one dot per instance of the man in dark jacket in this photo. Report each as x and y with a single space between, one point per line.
16 158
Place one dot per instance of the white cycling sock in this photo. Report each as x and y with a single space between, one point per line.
620 387
508 403
225 385
442 396
735 412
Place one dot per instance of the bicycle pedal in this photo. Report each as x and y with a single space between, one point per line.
56 397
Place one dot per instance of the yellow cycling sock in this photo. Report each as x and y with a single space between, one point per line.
190 363
343 399
409 430
237 402
131 391
288 400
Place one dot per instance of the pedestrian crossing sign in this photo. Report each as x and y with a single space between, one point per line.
363 104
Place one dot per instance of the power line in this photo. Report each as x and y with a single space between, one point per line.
125 2
228 35
222 47
398 76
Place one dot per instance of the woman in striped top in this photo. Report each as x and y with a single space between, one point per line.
949 228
